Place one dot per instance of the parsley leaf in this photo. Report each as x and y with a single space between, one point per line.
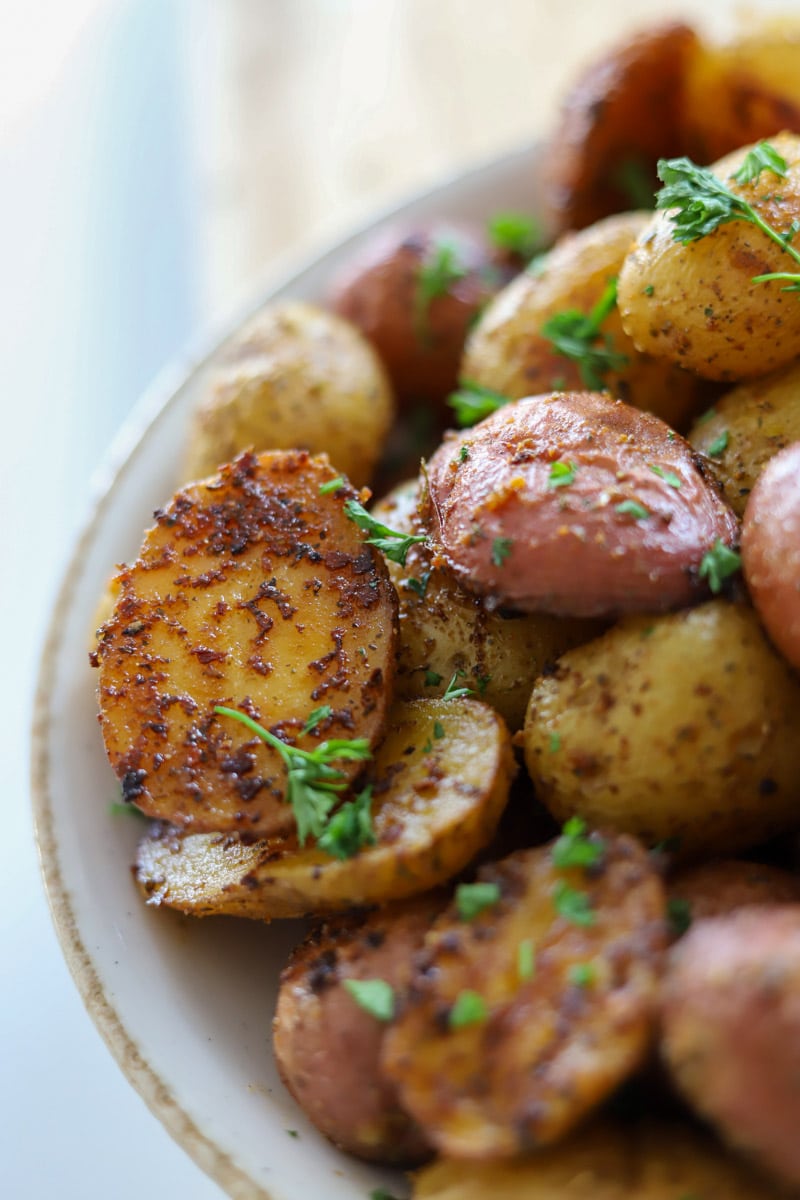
762 157
420 586
631 508
573 905
555 743
469 1009
669 477
349 828
455 693
393 544
501 548
718 564
332 485
577 336
679 915
574 848
472 402
438 271
719 445
526 961
312 783
432 678
375 996
562 474
319 714
516 233
582 975
473 898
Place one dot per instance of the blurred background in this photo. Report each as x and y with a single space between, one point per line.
160 162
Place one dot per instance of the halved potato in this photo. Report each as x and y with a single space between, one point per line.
651 1160
440 783
255 592
714 889
523 1019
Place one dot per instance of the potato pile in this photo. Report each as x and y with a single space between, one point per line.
522 736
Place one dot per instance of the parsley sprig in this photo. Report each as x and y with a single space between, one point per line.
313 784
393 544
437 273
699 203
718 565
575 848
577 336
473 402
515 233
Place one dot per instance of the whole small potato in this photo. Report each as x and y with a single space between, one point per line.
446 631
508 352
574 504
295 377
714 889
414 295
771 550
680 727
696 305
746 428
327 1046
731 1030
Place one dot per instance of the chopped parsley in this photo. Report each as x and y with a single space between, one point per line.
555 743
631 508
469 1009
481 681
332 485
501 548
393 544
472 403
314 718
432 678
463 453
648 291
516 233
719 445
582 975
669 477
419 586
526 961
350 828
718 565
577 336
438 271
455 693
438 730
375 996
679 915
574 848
575 906
473 898
562 474
762 157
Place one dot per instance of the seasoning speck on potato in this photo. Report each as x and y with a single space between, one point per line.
578 505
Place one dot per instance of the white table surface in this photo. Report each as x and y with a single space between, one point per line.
155 155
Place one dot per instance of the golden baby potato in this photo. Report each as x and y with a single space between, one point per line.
748 426
695 304
672 727
295 378
508 352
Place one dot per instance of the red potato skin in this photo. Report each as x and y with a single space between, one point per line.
771 550
731 1030
328 1048
717 888
379 294
506 532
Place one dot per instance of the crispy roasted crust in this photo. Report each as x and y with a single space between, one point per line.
327 1047
437 802
255 592
550 1048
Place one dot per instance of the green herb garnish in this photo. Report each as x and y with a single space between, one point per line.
420 586
719 564
437 273
516 233
313 785
314 718
452 692
582 975
463 454
350 828
562 474
526 962
473 898
555 743
438 730
469 1009
432 678
631 508
679 915
472 403
501 548
375 996
669 477
332 485
573 905
574 848
719 445
577 336
393 544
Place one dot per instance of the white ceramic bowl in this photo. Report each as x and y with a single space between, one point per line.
185 1006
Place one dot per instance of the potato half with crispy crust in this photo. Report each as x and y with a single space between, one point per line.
522 1019
621 115
509 352
327 1045
256 592
650 1160
440 783
672 727
714 889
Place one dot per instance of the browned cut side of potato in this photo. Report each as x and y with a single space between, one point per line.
731 1020
577 505
524 1018
715 889
256 592
440 783
695 304
296 377
622 114
680 728
648 1160
327 1046
744 90
746 428
509 352
446 631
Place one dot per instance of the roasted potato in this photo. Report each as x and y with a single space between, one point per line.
524 1017
414 295
446 631
679 727
621 115
714 889
731 1030
771 551
509 352
327 1046
574 504
650 1160
746 428
295 377
695 303
742 90
440 783
256 592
